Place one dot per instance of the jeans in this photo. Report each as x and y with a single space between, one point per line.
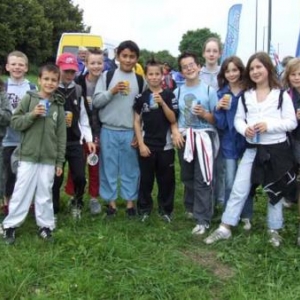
239 194
231 166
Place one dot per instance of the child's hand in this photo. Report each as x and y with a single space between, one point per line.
250 132
92 147
39 110
199 110
144 151
260 127
158 99
58 171
134 142
178 140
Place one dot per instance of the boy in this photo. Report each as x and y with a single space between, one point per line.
78 128
155 109
197 140
118 158
42 152
94 62
16 88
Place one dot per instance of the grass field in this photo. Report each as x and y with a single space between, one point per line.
96 258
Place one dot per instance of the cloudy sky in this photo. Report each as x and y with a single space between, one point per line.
160 24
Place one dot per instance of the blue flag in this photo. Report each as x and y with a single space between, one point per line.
233 26
298 47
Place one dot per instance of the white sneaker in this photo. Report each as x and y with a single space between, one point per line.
76 213
247 224
286 203
275 238
199 229
221 233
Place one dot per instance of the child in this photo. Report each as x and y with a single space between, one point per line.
118 159
94 64
155 110
264 124
16 88
196 101
42 152
232 143
78 128
291 79
5 115
212 49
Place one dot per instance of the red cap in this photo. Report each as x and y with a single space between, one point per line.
67 61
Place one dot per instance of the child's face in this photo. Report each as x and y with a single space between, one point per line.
232 73
17 67
189 69
294 78
154 76
127 60
211 53
48 83
67 76
258 72
95 64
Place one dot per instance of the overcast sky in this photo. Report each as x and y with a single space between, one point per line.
160 24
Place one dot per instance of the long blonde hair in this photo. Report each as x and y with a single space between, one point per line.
292 66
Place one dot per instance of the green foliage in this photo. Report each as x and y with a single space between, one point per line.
35 26
193 40
161 56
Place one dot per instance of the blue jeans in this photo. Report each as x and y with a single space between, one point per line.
231 166
239 194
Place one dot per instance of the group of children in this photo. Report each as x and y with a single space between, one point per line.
229 123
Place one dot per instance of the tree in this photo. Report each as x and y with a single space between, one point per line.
194 40
35 26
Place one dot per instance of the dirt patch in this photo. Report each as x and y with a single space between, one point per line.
209 260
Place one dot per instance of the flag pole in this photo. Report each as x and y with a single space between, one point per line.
269 25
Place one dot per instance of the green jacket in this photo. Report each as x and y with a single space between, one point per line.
43 139
5 114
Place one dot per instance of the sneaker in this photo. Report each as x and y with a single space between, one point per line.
275 238
247 223
221 233
189 215
144 218
110 211
131 212
200 229
76 213
167 218
286 203
9 235
95 206
45 233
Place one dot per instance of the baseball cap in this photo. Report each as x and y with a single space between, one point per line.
67 61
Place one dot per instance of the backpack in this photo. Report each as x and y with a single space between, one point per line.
139 78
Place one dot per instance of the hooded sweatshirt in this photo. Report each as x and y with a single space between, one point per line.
209 77
43 139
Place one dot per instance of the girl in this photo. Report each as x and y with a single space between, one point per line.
232 143
291 79
268 154
156 109
211 52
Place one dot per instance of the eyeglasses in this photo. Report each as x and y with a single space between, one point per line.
188 66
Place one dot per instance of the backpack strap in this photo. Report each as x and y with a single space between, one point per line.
32 86
280 99
178 94
140 81
109 76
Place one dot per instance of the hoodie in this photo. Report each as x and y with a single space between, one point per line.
43 139
209 77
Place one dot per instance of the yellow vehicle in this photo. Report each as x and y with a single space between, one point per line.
71 41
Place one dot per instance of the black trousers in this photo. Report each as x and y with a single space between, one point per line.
9 177
75 159
159 164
